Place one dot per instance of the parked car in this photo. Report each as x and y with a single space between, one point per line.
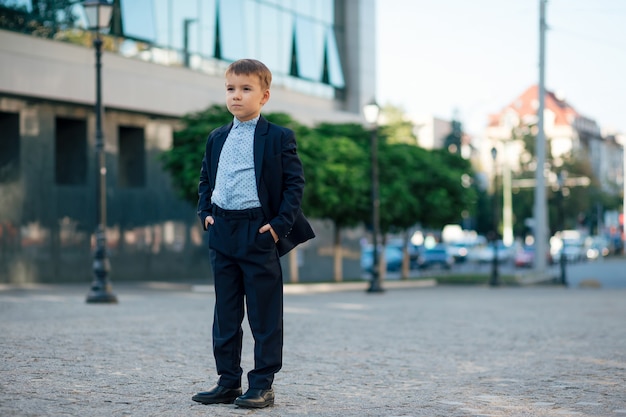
484 253
459 251
393 258
411 249
574 250
596 247
525 257
435 256
571 243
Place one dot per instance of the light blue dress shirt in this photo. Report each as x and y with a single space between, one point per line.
235 184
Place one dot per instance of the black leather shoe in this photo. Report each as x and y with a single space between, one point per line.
217 395
256 398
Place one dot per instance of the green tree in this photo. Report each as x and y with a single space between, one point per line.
352 131
395 162
336 170
416 185
335 166
452 142
421 186
183 160
284 119
580 203
400 203
444 193
396 128
46 18
523 197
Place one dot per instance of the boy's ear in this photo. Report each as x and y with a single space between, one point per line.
266 96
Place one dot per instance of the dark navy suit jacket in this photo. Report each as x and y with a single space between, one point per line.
279 180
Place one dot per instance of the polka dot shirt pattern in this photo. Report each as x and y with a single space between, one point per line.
235 184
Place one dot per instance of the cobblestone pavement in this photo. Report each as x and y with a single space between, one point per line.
437 351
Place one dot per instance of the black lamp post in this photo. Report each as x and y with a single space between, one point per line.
98 13
493 281
562 258
371 112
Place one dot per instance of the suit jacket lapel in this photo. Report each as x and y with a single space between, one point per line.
260 132
218 144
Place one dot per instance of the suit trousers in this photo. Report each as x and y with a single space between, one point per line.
246 269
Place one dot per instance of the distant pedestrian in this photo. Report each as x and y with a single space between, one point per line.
250 192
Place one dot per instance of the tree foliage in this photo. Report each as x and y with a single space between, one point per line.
396 128
184 159
580 203
416 185
336 170
45 19
453 140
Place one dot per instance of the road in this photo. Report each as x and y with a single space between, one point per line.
609 272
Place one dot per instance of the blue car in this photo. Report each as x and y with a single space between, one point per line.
393 257
435 256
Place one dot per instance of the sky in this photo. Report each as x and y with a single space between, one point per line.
473 58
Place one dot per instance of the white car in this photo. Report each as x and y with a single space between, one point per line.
485 253
596 247
573 248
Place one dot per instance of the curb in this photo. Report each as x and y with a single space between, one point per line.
324 287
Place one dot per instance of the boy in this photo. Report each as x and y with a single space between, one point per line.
250 191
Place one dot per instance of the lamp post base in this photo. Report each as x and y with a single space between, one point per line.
101 294
101 291
494 279
562 263
375 287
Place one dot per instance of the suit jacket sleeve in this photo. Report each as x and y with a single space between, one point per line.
290 224
205 186
292 187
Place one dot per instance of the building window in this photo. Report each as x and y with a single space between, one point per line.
293 68
70 151
222 30
9 147
132 157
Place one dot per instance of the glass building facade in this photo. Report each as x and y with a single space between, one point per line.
162 59
296 39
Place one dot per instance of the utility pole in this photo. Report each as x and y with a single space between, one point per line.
562 259
493 280
541 218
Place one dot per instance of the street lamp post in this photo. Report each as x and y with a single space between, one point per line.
98 13
371 112
493 281
562 258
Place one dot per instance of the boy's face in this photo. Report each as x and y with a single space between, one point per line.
244 96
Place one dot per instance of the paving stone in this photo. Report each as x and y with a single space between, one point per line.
411 351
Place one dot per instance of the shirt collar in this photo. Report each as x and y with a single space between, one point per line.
251 122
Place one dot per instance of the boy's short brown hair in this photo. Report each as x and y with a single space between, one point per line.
254 67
